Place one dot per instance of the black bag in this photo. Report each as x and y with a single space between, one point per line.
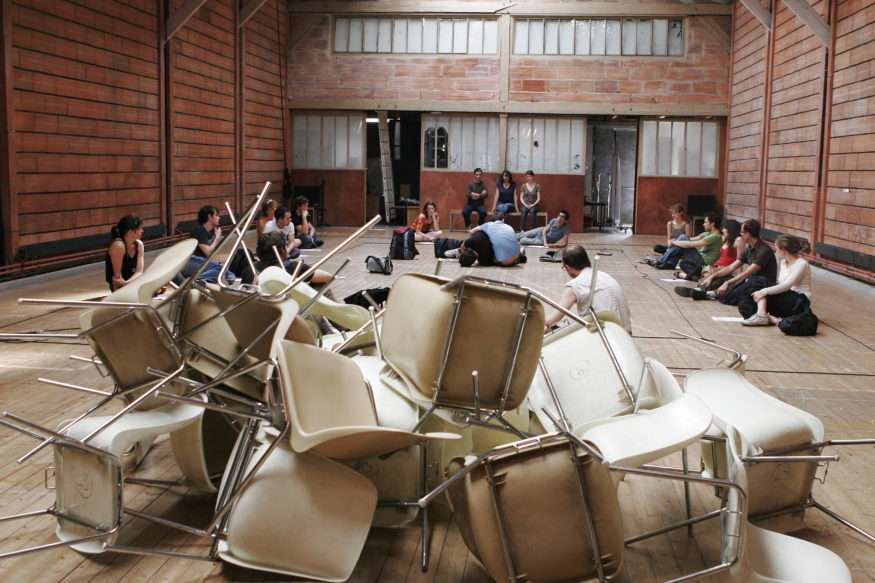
444 244
552 256
379 264
378 294
403 244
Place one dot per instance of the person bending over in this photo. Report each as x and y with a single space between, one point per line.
124 257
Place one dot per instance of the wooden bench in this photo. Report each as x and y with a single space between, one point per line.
538 215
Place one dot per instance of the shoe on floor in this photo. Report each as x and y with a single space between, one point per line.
452 253
756 320
683 291
318 242
698 294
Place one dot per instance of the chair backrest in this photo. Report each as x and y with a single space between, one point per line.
157 273
250 320
540 493
419 328
322 390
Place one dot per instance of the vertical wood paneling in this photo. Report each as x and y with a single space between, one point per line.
850 194
86 115
746 115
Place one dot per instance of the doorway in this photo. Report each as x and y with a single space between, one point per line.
613 155
404 144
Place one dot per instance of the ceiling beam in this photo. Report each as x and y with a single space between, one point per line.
761 13
519 107
248 10
811 18
180 16
523 8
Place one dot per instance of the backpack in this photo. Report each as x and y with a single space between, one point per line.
379 264
552 256
403 244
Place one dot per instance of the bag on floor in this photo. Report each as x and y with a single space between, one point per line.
444 244
552 256
379 264
403 244
378 294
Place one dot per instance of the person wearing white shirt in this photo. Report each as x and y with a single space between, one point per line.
283 224
794 278
608 293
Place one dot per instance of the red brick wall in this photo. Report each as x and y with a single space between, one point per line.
746 118
85 98
850 193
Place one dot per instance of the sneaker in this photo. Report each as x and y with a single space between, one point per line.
452 253
649 260
663 265
318 243
683 291
756 320
698 294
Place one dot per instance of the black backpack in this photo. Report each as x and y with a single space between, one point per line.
403 244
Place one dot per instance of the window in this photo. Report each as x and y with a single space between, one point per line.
598 36
328 141
465 36
678 148
458 142
554 145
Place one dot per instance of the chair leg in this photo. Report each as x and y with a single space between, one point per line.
844 521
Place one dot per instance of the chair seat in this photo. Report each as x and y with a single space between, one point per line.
633 440
351 442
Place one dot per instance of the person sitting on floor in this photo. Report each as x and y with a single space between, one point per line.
608 293
267 248
491 244
282 223
124 258
733 246
677 226
208 234
759 259
304 229
696 253
554 235
267 211
779 301
427 226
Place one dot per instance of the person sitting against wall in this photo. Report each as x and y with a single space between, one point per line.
779 301
476 197
304 229
733 246
268 247
675 228
506 195
267 210
427 226
208 233
695 254
282 223
608 293
530 199
124 257
554 235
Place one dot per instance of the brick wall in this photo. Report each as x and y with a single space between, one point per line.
850 193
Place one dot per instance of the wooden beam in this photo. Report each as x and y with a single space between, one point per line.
761 13
718 33
525 8
248 10
504 25
523 107
811 18
301 30
180 16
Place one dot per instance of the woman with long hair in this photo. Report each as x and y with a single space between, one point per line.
267 211
794 279
427 226
506 195
124 257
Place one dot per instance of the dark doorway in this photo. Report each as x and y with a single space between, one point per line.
613 162
404 144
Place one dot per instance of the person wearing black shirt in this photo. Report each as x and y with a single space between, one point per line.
305 232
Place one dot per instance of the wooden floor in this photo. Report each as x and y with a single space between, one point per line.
831 375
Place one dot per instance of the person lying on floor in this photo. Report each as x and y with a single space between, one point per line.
490 244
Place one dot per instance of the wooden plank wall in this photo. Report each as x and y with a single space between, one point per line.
813 176
850 195
85 104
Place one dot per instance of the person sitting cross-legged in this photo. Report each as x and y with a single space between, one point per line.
695 254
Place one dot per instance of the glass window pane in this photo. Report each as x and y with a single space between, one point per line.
299 141
548 145
428 141
370 36
694 148
629 36
442 145
525 144
612 37
468 143
597 42
341 35
513 144
475 37
551 37
663 149
481 142
660 36
675 37
460 35
355 35
581 37
445 35
566 37
314 139
709 149
356 158
429 35
578 145
644 36
341 142
455 147
564 151
521 37
538 145
384 36
678 129
328 142
414 35
648 148
536 37
399 36
492 141
490 37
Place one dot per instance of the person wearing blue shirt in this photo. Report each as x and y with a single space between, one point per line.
491 244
